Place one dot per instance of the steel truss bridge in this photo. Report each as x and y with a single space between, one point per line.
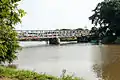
46 34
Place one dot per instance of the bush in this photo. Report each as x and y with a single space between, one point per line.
15 74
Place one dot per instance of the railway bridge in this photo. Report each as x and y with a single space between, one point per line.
53 36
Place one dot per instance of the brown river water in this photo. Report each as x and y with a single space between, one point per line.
92 62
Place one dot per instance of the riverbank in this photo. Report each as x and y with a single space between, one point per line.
14 74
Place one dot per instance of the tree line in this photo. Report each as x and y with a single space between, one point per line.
106 16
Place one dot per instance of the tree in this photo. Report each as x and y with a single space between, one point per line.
107 16
10 15
79 29
93 30
94 33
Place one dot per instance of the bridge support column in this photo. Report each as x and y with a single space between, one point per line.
54 41
79 39
82 39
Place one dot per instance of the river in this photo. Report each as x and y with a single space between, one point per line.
82 60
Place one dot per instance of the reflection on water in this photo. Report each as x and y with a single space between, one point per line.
84 60
109 69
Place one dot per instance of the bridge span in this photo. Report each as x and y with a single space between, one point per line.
53 36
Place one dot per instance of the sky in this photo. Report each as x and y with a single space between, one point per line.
56 14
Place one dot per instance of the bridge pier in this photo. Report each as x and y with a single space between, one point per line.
54 41
82 39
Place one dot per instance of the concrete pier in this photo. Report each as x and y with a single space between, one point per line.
82 39
54 41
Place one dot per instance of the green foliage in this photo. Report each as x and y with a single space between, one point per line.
107 16
10 16
28 75
94 33
68 77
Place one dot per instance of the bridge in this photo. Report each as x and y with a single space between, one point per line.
53 36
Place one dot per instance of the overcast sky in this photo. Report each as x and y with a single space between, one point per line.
56 14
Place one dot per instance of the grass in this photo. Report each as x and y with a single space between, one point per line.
14 74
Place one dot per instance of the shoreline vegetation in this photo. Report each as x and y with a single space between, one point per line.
11 73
